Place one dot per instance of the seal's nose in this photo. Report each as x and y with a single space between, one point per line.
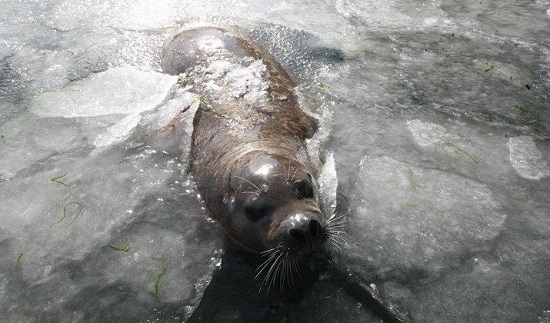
304 231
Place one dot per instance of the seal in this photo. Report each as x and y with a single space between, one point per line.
248 154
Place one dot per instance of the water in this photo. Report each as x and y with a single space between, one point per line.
435 115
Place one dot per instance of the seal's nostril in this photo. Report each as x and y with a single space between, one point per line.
297 235
315 228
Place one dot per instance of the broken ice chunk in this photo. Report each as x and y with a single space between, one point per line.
120 90
118 132
527 159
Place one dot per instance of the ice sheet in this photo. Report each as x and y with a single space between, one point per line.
119 90
527 159
409 218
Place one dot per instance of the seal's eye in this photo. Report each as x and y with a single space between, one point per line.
256 212
302 189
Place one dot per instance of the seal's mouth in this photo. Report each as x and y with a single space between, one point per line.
301 235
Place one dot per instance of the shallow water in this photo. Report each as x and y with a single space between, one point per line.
436 113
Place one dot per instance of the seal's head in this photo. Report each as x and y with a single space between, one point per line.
272 207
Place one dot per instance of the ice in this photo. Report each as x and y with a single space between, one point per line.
119 90
435 241
66 250
118 132
427 134
178 112
240 82
123 14
526 159
460 148
328 184
388 14
409 218
247 82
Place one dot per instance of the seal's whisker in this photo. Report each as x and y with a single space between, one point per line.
335 232
282 276
335 245
336 223
279 268
268 251
248 192
266 277
264 265
339 220
289 169
336 229
294 174
279 273
272 268
273 275
284 271
337 239
288 272
335 217
268 262
249 182
293 268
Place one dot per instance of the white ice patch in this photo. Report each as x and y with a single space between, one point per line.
183 105
427 133
436 137
123 14
242 80
407 216
118 132
428 22
328 182
248 82
388 14
219 68
527 159
120 90
183 102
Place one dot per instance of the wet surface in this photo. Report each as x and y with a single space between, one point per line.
436 116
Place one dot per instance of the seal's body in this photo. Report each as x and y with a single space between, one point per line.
248 154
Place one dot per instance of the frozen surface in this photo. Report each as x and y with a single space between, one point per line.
434 219
434 144
120 90
527 159
328 184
